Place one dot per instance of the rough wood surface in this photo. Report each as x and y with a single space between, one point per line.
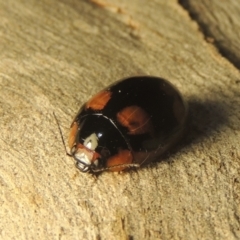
53 56
220 22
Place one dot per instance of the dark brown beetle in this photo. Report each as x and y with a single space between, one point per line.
131 122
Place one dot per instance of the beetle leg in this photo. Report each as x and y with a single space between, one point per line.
111 168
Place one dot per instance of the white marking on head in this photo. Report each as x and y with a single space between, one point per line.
82 157
91 142
89 145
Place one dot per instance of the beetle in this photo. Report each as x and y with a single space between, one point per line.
129 123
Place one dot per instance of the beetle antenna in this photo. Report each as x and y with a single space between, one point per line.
60 130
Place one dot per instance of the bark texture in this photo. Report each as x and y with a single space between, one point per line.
54 55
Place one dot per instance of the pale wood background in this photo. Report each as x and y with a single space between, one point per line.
54 54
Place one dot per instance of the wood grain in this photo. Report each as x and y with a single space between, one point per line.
219 21
55 55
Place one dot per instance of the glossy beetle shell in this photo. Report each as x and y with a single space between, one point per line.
131 122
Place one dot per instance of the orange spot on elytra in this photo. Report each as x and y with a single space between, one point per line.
72 135
123 157
135 119
99 101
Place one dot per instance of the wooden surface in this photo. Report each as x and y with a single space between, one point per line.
219 21
53 56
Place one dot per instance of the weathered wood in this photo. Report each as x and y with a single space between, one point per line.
54 56
219 21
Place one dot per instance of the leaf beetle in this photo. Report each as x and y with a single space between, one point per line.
130 123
